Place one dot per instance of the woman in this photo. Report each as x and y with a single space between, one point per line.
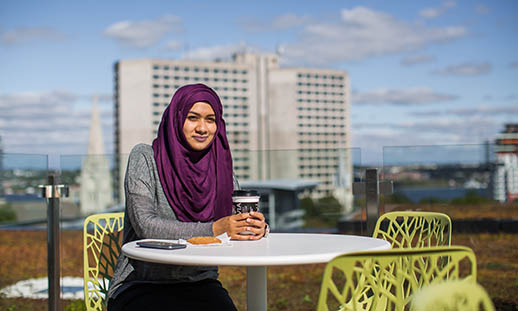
178 188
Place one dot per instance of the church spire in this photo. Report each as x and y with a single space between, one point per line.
95 140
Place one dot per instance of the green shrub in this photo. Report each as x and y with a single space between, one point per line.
7 214
76 305
430 200
471 197
396 198
309 207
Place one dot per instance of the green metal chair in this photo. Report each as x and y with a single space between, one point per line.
385 280
452 295
414 229
102 238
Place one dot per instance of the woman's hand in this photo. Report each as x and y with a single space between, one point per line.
236 224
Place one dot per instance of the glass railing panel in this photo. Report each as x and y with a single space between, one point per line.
23 229
439 174
301 190
92 182
20 196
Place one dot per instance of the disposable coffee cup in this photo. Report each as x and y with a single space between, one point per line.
245 201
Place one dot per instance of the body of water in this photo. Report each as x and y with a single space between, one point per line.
417 194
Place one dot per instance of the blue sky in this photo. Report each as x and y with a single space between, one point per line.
422 72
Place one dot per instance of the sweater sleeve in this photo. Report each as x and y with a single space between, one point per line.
149 217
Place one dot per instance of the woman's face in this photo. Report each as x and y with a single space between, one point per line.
200 126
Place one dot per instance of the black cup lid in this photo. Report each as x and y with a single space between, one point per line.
245 193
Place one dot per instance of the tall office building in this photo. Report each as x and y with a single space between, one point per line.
1 169
282 123
505 172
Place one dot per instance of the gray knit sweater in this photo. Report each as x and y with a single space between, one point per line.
149 215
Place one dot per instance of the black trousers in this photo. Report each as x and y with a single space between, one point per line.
190 296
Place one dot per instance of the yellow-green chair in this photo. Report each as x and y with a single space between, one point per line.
102 237
385 280
451 295
414 229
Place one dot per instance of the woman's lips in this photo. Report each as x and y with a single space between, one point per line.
200 138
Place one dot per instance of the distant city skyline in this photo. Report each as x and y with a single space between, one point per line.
422 72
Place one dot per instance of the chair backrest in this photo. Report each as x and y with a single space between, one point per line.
385 280
102 237
452 295
414 229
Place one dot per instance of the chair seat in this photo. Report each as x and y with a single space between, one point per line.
102 237
385 280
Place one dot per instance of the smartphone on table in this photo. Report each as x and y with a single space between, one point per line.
160 244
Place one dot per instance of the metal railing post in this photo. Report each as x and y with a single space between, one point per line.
371 189
372 199
52 192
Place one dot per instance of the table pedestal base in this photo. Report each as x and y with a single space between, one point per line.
256 288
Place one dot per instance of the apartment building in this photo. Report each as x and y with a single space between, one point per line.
282 123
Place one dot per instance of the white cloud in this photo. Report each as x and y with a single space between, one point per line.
174 45
413 96
50 122
144 33
287 21
23 35
430 13
416 60
503 110
221 52
371 137
436 12
278 23
465 69
361 33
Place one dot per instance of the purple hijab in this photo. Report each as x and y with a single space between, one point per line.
197 184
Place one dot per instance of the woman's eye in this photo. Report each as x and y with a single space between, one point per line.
211 120
192 118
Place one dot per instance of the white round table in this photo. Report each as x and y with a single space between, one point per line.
276 249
